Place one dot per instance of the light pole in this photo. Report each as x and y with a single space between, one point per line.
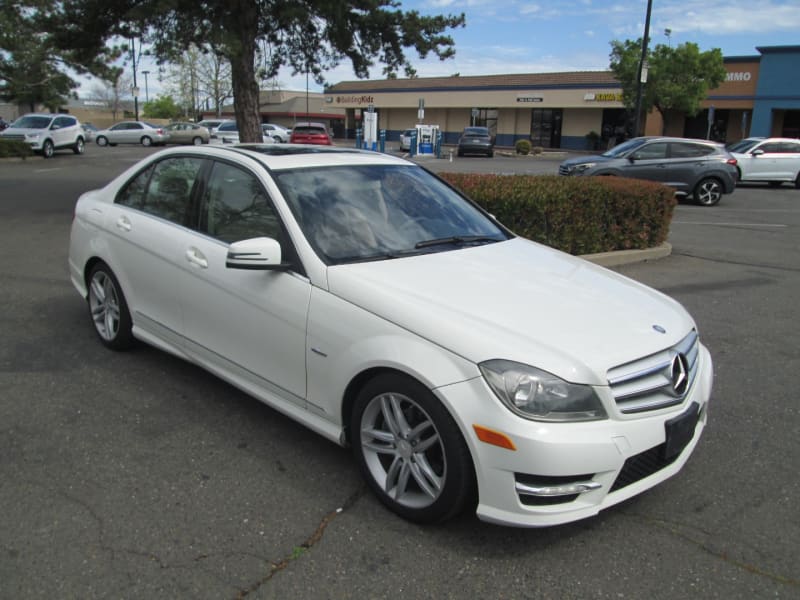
146 91
642 73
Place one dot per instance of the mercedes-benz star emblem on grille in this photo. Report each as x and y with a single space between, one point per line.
680 374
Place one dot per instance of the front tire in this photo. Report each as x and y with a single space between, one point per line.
48 149
708 192
410 450
108 309
146 141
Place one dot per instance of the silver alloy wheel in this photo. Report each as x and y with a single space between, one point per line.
403 450
197 141
104 305
47 149
708 192
102 141
79 146
146 141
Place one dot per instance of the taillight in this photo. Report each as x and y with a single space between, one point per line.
732 161
160 131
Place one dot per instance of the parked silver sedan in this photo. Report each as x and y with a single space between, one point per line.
132 132
187 133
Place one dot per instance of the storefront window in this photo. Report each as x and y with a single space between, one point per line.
485 117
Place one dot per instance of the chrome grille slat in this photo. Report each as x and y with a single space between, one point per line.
646 384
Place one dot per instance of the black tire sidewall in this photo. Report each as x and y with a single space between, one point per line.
459 487
697 191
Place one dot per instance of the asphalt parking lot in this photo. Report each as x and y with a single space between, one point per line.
137 475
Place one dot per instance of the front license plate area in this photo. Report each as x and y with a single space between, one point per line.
680 431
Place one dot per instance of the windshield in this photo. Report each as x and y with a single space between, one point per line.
742 146
624 148
32 122
359 213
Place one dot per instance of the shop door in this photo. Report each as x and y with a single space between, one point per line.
546 127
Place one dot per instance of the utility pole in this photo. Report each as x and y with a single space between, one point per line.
642 72
135 89
146 91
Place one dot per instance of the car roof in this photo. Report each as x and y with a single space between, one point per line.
290 156
310 124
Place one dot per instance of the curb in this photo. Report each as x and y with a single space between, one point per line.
627 257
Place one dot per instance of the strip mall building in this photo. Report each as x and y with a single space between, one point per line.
760 97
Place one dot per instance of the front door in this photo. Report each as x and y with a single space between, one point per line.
249 326
546 127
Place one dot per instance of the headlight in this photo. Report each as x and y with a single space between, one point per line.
578 169
33 136
538 395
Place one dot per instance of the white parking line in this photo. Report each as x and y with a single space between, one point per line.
47 170
729 224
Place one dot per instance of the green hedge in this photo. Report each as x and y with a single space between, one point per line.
579 215
9 148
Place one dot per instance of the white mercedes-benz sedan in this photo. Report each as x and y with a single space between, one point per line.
468 368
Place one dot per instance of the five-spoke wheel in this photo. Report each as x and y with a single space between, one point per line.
410 450
108 308
708 192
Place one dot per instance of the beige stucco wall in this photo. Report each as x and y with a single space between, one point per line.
578 122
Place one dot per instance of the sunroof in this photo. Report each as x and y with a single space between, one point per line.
281 150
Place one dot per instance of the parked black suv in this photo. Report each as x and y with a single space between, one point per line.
697 168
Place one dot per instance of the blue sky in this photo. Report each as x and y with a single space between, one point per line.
537 36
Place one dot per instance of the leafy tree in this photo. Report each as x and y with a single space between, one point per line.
32 65
309 36
678 78
163 107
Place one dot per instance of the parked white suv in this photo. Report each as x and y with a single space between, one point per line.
47 133
775 160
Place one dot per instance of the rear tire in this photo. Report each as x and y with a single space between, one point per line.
102 141
146 141
108 308
79 146
708 192
797 182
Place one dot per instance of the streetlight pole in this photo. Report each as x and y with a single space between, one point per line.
135 88
146 91
642 72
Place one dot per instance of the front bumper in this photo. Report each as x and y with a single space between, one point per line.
602 462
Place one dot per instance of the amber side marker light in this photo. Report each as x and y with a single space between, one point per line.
495 438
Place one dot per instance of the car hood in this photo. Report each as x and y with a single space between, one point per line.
582 160
23 131
519 301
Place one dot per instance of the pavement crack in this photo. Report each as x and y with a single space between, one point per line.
679 530
298 551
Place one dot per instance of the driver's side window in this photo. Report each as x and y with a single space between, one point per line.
236 206
651 152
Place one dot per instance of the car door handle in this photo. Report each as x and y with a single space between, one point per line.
124 224
194 256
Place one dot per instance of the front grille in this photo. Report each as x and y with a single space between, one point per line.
649 383
642 465
14 137
562 170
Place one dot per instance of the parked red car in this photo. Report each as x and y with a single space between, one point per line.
310 133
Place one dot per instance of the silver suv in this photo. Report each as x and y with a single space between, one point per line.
47 133
698 168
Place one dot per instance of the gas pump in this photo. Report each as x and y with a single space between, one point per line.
426 138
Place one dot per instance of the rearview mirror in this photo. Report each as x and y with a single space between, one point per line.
256 254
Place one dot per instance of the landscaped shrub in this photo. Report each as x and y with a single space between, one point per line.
10 148
579 215
523 147
537 150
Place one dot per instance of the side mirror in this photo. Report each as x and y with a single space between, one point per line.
758 152
256 254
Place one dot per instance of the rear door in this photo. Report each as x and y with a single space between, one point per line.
687 164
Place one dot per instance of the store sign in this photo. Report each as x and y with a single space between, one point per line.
739 76
530 99
605 97
359 100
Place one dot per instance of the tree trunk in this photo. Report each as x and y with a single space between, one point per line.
243 72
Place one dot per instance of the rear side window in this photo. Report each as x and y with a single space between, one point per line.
689 150
165 190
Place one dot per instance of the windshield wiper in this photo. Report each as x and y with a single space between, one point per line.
457 239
